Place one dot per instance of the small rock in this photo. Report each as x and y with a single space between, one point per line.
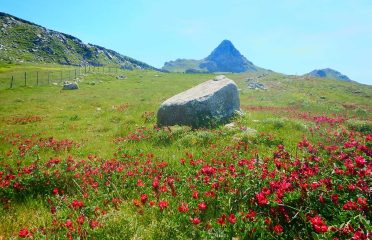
256 86
219 78
230 126
70 86
239 113
121 77
249 130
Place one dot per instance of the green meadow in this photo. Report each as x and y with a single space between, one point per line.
107 116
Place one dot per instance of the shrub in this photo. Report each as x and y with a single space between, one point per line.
360 126
277 123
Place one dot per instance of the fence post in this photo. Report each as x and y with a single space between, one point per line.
11 82
25 79
75 73
61 76
69 75
48 78
37 78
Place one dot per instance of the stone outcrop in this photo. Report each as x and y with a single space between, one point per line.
205 105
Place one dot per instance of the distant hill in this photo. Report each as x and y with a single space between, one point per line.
23 41
328 73
224 58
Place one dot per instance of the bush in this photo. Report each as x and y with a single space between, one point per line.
360 126
199 138
277 123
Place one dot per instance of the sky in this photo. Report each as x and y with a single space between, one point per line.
287 36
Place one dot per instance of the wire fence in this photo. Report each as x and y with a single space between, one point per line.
9 80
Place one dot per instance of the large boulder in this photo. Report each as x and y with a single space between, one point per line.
205 105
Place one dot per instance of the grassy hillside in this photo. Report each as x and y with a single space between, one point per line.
80 163
23 41
181 65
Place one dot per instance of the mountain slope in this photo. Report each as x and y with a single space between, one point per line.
224 58
23 41
328 73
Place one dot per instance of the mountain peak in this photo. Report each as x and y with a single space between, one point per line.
226 44
226 58
225 48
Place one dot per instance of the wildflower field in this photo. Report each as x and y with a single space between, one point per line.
92 164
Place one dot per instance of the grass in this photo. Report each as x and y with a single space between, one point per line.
97 116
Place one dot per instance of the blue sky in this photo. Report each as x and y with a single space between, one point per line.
288 36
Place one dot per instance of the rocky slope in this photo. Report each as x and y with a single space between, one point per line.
23 41
224 58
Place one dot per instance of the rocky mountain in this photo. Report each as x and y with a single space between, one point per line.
328 73
23 41
224 58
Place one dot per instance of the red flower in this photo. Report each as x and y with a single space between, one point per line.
136 202
195 220
359 235
318 225
221 220
202 206
350 205
93 224
362 201
163 205
69 224
251 215
81 219
265 191
195 194
184 208
140 183
155 183
55 191
261 198
278 228
360 161
144 198
334 198
76 204
23 233
232 218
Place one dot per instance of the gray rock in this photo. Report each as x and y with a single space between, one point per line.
70 86
256 86
121 77
205 105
